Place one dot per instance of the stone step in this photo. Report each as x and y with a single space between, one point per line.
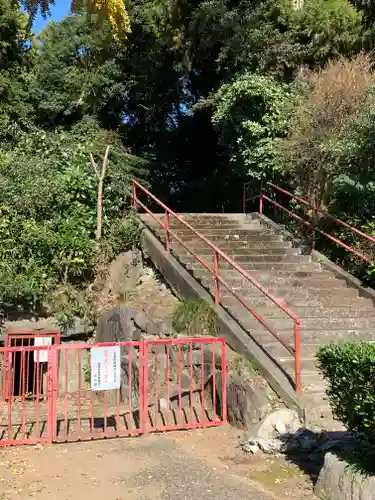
243 244
271 310
243 257
284 293
310 336
201 225
308 350
288 275
242 286
192 264
307 364
234 248
197 244
288 294
227 234
324 324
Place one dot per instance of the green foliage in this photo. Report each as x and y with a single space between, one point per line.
48 208
350 371
198 99
75 73
195 317
250 115
323 145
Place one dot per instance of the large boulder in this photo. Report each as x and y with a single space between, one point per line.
338 481
116 325
247 401
272 434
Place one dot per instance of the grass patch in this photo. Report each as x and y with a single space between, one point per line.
195 317
242 366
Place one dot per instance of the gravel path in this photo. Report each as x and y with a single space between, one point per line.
145 468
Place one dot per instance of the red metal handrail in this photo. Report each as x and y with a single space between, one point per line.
218 280
306 223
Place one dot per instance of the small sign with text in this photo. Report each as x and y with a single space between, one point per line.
41 356
105 368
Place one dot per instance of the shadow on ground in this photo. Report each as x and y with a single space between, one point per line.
356 450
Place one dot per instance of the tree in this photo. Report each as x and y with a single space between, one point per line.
321 150
15 58
113 11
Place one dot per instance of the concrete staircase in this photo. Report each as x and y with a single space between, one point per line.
330 310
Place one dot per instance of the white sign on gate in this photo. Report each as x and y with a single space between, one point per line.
41 356
105 368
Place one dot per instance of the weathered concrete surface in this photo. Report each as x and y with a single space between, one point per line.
338 482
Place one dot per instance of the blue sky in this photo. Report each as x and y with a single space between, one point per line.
58 11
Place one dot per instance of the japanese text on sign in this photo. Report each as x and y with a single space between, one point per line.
105 368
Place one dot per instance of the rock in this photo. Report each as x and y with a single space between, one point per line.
337 481
207 356
177 396
141 320
165 328
266 434
130 269
246 403
137 335
280 427
153 328
285 418
115 325
254 449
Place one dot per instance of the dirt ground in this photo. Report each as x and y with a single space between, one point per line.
184 465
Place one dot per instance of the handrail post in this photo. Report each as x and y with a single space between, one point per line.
166 226
134 194
315 223
261 204
224 382
297 355
244 198
216 277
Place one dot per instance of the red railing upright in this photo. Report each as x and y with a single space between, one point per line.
218 256
313 226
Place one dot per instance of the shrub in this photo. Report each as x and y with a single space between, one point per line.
195 317
337 95
350 372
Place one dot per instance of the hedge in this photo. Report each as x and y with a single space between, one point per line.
350 372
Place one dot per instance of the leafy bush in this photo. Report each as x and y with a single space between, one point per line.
195 317
48 198
350 372
250 115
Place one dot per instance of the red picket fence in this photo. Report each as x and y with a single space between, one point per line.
93 391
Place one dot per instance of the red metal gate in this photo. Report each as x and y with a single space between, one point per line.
92 391
25 375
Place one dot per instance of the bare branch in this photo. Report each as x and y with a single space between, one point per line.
105 162
94 166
